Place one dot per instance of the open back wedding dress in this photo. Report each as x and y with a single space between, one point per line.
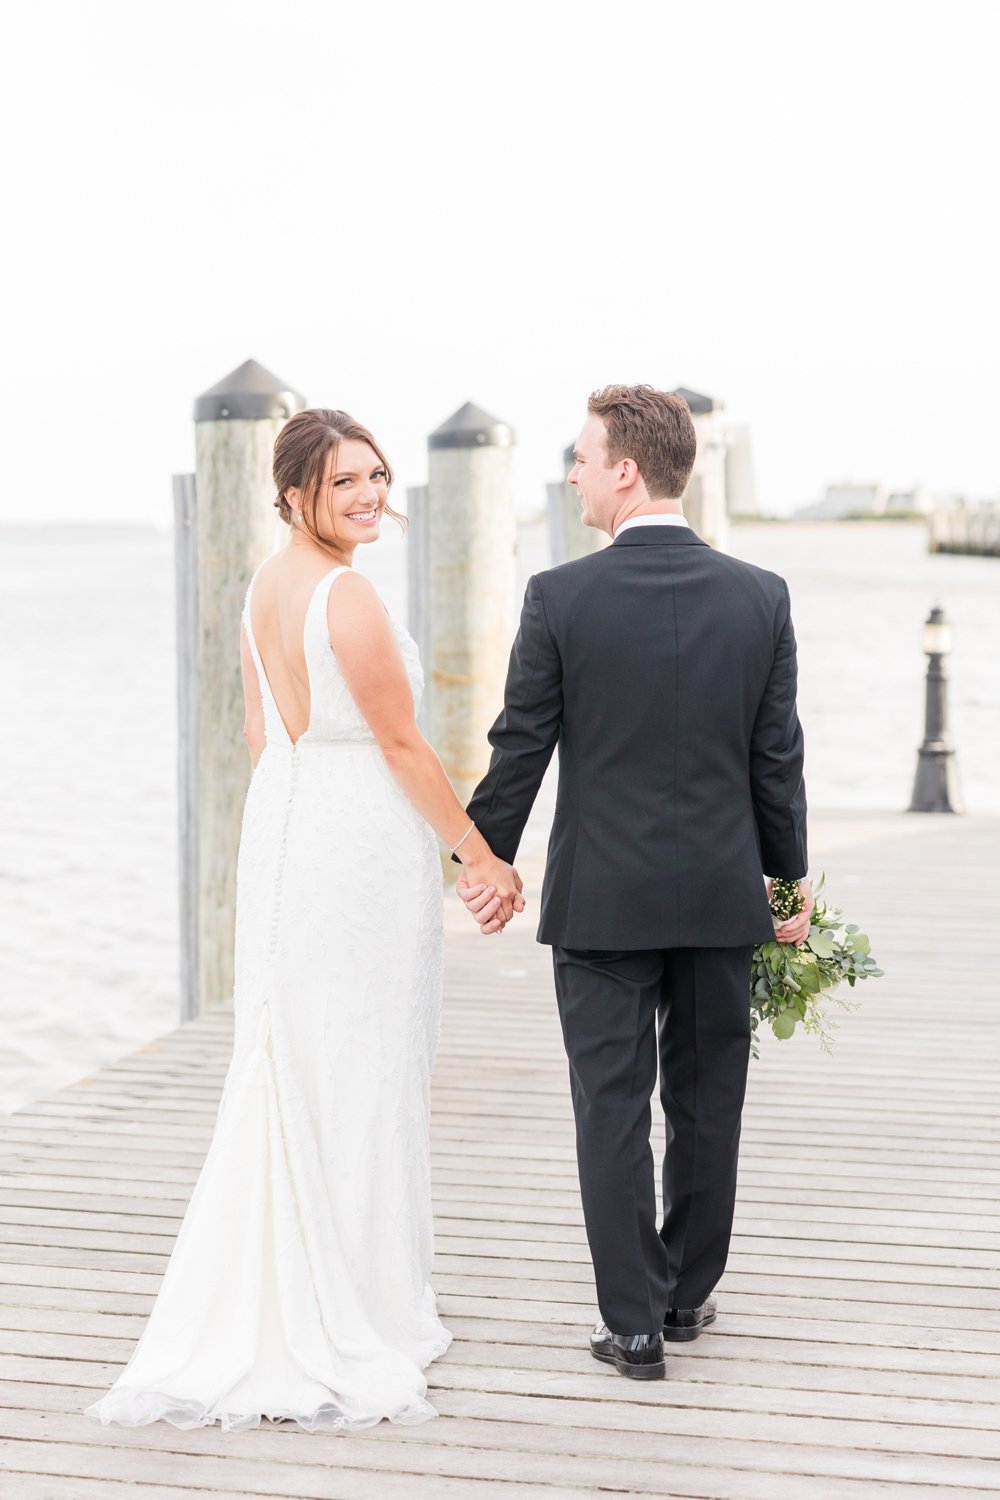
298 1286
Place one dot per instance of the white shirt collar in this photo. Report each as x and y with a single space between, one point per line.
669 519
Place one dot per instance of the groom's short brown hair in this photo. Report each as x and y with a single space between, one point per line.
654 429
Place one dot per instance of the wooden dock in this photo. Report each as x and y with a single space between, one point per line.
857 1351
972 530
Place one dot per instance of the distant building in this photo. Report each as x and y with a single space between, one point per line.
917 500
853 499
847 499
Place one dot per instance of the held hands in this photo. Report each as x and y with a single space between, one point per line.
491 895
795 929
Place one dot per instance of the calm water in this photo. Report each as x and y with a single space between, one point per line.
87 796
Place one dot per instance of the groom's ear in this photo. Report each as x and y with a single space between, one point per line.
628 473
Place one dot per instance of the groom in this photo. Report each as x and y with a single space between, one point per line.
665 672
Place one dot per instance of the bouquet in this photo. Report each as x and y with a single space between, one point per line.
789 985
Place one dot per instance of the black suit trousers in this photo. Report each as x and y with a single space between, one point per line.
620 1012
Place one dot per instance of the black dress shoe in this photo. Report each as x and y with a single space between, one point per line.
637 1355
683 1323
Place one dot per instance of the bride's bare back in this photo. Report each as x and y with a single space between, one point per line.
283 588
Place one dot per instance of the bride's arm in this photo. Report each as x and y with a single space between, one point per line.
366 647
253 718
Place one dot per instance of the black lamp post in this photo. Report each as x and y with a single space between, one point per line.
935 787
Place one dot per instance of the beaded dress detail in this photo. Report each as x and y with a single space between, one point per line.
299 1283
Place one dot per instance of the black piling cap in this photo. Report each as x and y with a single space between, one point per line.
699 405
471 427
249 391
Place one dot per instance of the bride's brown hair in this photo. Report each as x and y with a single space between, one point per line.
300 459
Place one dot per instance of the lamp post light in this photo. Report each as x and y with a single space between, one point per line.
935 787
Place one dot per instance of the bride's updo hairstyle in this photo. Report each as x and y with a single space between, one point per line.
300 460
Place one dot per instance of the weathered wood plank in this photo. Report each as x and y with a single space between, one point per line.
348 1479
957 1305
456 1220
487 1340
31 1244
809 1391
78 1445
697 1484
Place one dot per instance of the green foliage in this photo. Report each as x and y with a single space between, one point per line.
790 986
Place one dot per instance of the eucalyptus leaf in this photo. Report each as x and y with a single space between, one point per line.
822 945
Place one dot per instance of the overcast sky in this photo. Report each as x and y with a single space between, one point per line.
400 207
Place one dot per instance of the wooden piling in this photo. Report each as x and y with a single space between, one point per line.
186 607
416 581
236 423
471 535
704 498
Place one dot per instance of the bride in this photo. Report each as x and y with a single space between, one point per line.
299 1284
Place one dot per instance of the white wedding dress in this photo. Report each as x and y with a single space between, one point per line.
298 1286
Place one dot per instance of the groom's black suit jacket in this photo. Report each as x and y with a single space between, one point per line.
665 672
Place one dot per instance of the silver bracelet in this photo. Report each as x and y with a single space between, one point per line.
462 840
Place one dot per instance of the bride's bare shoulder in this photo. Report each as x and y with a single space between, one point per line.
354 604
352 591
